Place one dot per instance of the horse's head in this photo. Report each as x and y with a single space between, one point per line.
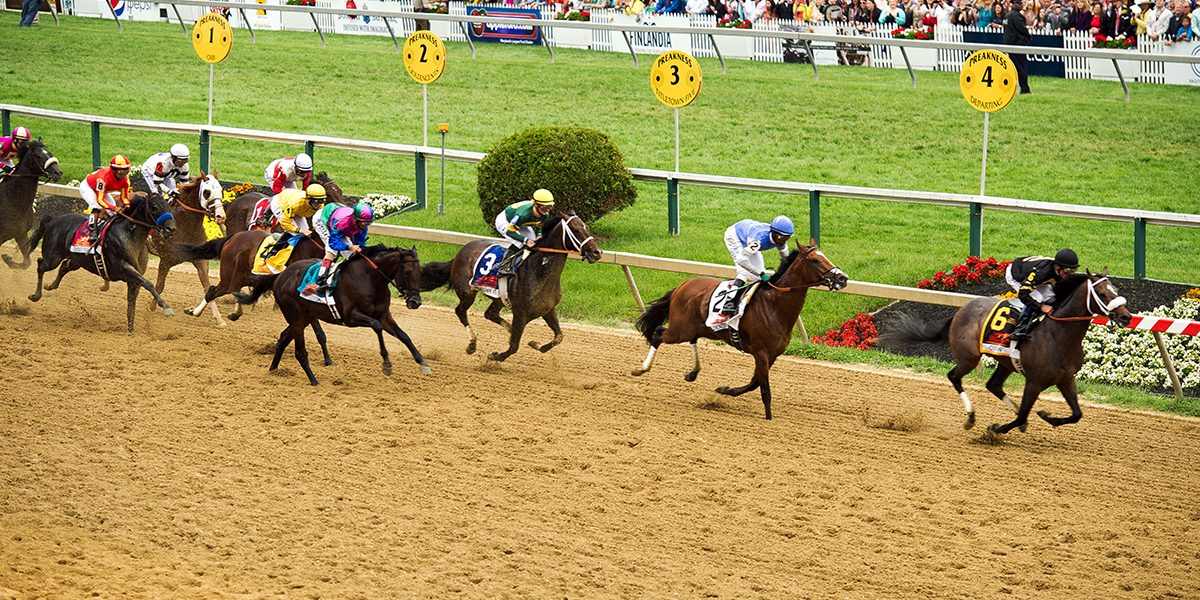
40 162
1098 297
573 235
815 268
333 193
405 271
151 210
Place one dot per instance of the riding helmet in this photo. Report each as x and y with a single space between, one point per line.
303 162
119 162
179 151
315 191
543 197
20 133
1066 258
783 226
364 212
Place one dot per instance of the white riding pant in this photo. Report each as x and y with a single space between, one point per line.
8 162
742 254
269 176
89 195
167 184
1042 293
502 229
300 222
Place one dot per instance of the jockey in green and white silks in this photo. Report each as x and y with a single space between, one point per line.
521 225
746 240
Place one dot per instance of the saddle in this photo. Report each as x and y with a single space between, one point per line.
80 243
261 218
995 337
268 260
323 295
717 300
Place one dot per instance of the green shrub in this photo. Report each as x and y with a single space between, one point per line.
581 167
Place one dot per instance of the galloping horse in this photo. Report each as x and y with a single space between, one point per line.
123 243
17 191
765 328
196 201
237 214
362 298
237 253
533 291
1051 356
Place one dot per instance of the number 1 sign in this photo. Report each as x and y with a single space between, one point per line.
212 38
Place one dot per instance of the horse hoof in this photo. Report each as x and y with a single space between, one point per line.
34 297
313 383
471 348
387 369
1045 415
168 312
994 428
637 372
1023 426
222 324
691 376
496 356
104 288
723 390
234 317
534 345
425 370
970 422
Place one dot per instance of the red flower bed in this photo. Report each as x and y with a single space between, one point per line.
858 332
971 271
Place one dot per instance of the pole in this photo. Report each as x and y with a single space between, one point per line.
673 206
424 115
442 198
420 156
5 122
1166 357
210 93
309 148
95 145
976 209
677 140
204 150
814 216
983 168
1139 248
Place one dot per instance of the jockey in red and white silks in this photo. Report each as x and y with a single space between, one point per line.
284 173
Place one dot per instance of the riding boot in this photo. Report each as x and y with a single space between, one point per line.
275 248
1025 324
730 307
95 225
320 283
508 264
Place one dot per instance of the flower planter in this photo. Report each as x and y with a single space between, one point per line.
922 59
735 47
1102 68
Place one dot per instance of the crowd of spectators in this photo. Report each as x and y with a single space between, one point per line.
1166 20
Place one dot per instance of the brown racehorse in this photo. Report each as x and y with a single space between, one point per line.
1051 356
765 328
533 292
237 253
238 212
363 299
196 201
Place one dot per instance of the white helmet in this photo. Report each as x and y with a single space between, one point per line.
179 151
303 162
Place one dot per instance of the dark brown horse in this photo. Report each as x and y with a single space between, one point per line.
17 191
765 328
1051 356
237 253
533 291
196 201
239 211
122 245
363 299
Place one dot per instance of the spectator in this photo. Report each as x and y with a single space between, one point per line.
866 16
1116 20
29 12
1184 32
1016 33
784 10
943 12
986 15
668 6
835 12
1195 18
1057 20
1138 19
1158 21
1097 19
892 15
1081 16
699 7
422 6
734 10
1033 17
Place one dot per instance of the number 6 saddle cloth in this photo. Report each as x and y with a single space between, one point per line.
996 334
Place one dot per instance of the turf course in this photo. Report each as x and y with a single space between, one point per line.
1071 141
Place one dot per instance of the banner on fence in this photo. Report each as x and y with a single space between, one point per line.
1180 73
653 42
359 25
505 34
1039 64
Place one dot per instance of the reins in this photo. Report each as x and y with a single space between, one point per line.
820 278
376 269
1105 310
53 160
567 234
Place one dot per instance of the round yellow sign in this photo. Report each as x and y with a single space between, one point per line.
988 80
212 37
424 57
675 78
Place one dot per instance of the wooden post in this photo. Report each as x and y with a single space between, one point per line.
637 296
1162 350
420 156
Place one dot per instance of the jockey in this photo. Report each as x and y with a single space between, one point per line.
165 171
344 232
293 207
521 225
1032 277
746 240
11 148
282 173
107 192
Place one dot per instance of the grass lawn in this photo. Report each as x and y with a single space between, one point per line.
1073 141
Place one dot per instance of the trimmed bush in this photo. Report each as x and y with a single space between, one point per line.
581 167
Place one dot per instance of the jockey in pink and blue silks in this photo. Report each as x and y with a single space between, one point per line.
11 148
344 231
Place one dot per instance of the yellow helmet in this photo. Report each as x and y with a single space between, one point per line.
543 197
315 191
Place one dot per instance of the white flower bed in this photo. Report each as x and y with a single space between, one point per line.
386 205
1129 357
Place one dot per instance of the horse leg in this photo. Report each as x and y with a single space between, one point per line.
285 338
691 375
1028 397
762 373
465 300
22 239
655 341
955 376
205 284
302 351
160 283
63 269
142 281
131 294
514 338
551 319
41 271
316 325
995 385
749 387
389 325
1071 395
493 314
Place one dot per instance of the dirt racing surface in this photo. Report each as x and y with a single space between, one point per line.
170 464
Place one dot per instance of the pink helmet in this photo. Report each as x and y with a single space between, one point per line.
20 133
342 218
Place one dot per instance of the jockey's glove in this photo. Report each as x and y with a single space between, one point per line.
765 276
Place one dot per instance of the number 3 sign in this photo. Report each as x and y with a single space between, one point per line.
675 78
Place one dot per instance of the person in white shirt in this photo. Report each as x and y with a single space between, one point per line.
943 10
697 7
1158 21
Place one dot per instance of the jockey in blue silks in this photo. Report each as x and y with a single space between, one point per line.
746 240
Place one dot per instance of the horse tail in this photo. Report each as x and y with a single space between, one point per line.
909 329
434 275
257 289
39 232
656 314
205 251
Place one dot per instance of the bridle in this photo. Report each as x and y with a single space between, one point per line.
822 277
1104 309
53 160
178 200
158 223
391 279
568 238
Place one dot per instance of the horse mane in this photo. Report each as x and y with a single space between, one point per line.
373 252
784 265
547 226
191 186
1065 288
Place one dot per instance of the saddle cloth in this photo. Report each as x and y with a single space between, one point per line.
261 217
275 264
483 275
324 295
996 333
79 241
717 300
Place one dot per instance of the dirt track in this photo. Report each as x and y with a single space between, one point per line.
178 467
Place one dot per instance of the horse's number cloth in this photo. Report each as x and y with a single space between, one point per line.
275 264
483 275
261 216
996 333
717 300
324 295
79 242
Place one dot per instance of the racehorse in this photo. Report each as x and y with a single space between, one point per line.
123 243
362 297
17 191
237 253
765 328
1051 356
238 212
533 291
196 201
